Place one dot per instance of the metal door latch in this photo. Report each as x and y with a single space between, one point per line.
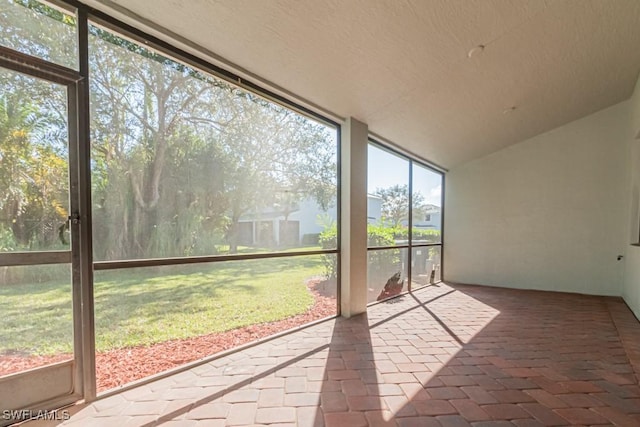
74 218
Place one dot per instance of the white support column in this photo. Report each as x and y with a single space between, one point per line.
354 144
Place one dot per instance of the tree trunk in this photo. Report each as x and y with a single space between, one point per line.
232 235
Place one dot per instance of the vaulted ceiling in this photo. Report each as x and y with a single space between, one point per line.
415 70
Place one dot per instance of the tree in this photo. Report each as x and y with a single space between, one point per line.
395 204
143 104
180 157
33 164
39 30
274 156
34 177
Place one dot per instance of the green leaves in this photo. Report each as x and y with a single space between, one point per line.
180 157
33 164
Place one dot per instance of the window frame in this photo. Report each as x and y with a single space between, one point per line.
410 246
86 15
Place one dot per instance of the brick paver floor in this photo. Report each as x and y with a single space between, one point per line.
448 355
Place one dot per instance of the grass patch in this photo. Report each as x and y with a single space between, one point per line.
149 305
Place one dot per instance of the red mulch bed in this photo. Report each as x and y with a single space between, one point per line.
121 366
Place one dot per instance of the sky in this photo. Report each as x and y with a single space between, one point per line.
387 169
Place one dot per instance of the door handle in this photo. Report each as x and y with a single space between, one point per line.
74 218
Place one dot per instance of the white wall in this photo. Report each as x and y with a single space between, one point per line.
311 217
374 209
435 221
631 287
548 213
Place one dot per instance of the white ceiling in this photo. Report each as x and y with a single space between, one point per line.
402 66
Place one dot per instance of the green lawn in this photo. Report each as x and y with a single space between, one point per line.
144 306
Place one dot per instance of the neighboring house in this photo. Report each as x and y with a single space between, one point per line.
431 218
374 209
306 220
301 225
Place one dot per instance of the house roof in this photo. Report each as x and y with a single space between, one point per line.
263 216
449 80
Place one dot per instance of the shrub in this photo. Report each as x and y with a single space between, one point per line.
328 239
311 239
376 236
426 235
382 261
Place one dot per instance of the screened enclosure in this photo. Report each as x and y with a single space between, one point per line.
156 210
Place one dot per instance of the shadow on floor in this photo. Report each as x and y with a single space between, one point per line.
448 355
